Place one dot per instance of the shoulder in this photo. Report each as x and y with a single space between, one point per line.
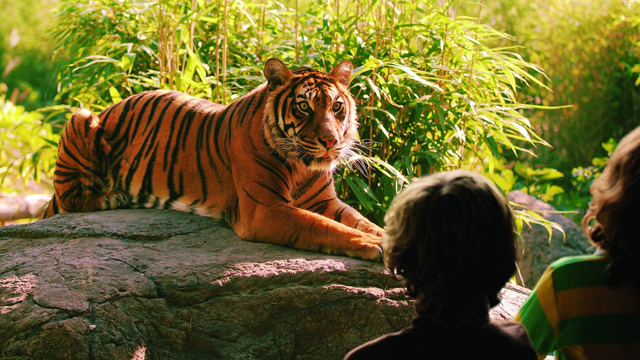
401 344
511 340
579 261
579 271
511 331
380 348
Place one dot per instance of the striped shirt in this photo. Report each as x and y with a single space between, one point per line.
573 313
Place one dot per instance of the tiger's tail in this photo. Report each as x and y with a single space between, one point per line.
51 209
81 176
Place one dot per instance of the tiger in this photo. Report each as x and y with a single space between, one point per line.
263 163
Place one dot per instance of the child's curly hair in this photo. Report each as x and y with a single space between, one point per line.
450 236
612 221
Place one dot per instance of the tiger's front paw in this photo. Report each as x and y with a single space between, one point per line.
367 247
369 228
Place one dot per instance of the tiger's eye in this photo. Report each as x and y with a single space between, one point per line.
303 106
337 106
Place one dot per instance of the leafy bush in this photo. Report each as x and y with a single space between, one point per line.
578 197
538 182
25 52
433 93
28 147
590 51
545 183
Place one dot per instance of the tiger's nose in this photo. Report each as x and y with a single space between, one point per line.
328 143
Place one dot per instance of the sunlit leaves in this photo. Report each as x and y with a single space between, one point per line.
435 90
28 147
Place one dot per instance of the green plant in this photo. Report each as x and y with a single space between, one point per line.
582 177
590 52
572 200
25 52
28 147
539 182
434 92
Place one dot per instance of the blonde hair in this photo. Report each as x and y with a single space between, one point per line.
612 221
450 237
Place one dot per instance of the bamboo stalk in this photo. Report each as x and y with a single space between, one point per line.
470 92
357 16
161 49
392 40
476 38
370 150
296 35
224 46
262 25
371 103
218 51
377 48
192 29
185 58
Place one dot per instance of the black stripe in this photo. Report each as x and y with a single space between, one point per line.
259 103
207 139
303 187
291 242
216 134
201 173
283 113
234 108
121 142
338 214
269 167
146 188
252 198
54 206
320 206
323 188
127 104
231 215
104 114
174 193
73 157
189 118
273 191
173 145
152 139
134 133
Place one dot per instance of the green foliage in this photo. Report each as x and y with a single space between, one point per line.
25 54
28 147
538 182
433 93
590 51
117 48
546 184
581 179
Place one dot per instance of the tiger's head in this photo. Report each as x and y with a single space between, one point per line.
310 115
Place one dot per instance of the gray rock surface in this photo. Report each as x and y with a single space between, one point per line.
150 284
539 252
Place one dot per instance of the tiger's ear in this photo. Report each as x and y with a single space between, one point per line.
342 73
276 73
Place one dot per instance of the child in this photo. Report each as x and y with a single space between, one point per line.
588 307
450 237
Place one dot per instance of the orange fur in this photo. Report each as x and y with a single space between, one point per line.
263 163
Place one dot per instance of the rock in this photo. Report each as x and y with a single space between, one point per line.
22 206
538 252
136 284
